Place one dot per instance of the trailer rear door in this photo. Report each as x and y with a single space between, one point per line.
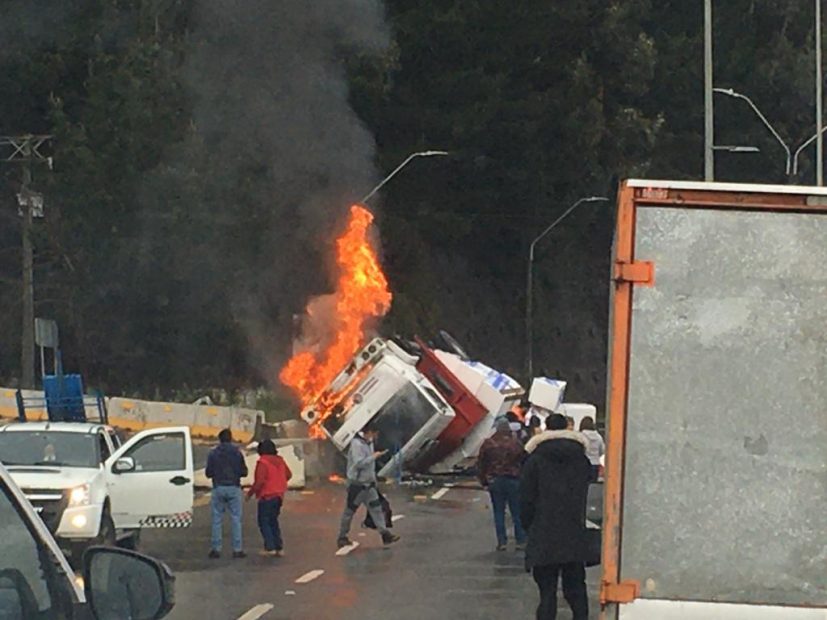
716 490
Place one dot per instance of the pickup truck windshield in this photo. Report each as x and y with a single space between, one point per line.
49 448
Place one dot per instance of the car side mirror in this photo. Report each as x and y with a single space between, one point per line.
123 465
126 584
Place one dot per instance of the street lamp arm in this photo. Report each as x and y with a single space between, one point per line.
804 146
565 214
731 93
530 280
398 168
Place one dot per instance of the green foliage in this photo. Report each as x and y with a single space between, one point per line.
161 233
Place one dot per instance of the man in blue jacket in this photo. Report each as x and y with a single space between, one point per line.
226 468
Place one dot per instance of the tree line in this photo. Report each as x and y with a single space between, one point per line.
175 252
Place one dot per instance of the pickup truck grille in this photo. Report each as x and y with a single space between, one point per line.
49 504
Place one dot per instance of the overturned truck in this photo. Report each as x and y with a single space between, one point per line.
433 408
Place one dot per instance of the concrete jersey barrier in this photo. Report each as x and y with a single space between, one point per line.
137 415
292 451
8 404
204 420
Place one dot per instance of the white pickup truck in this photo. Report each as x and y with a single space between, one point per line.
89 488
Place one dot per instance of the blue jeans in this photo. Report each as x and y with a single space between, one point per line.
268 523
504 491
223 499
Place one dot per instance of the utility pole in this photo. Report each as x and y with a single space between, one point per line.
24 149
709 116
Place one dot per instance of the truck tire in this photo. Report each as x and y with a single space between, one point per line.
132 541
106 536
106 533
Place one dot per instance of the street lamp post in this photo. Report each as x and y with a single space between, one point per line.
709 116
819 101
736 95
530 280
408 160
803 146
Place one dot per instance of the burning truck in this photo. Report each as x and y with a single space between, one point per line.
432 405
432 408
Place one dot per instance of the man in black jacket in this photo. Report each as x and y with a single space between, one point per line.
226 468
553 492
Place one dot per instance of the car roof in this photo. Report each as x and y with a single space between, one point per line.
63 427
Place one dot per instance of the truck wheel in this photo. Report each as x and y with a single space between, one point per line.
132 541
106 534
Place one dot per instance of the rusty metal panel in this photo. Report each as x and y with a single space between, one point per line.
725 476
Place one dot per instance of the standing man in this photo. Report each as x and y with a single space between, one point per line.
553 492
226 468
361 487
498 468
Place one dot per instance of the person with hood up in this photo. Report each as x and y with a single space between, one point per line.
553 493
269 486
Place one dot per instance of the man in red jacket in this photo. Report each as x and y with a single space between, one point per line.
269 486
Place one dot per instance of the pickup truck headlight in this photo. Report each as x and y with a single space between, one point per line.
79 496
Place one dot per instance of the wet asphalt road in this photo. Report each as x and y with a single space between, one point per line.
445 566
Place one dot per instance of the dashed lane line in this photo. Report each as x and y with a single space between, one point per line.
256 612
396 518
439 494
308 577
348 548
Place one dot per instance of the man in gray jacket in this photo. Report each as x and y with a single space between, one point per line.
361 487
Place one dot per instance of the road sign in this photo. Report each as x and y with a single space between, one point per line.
46 333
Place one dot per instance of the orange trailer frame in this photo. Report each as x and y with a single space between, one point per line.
629 272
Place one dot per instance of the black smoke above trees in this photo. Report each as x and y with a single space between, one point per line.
204 151
281 155
204 155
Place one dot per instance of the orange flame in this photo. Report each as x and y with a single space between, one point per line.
361 294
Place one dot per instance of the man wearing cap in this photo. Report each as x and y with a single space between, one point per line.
498 467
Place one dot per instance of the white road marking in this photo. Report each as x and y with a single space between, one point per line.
396 518
256 612
308 577
439 494
348 549
290 593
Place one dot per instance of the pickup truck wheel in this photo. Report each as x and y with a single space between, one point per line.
106 534
131 542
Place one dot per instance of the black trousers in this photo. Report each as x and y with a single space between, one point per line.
574 590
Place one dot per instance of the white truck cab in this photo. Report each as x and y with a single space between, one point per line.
382 388
89 488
